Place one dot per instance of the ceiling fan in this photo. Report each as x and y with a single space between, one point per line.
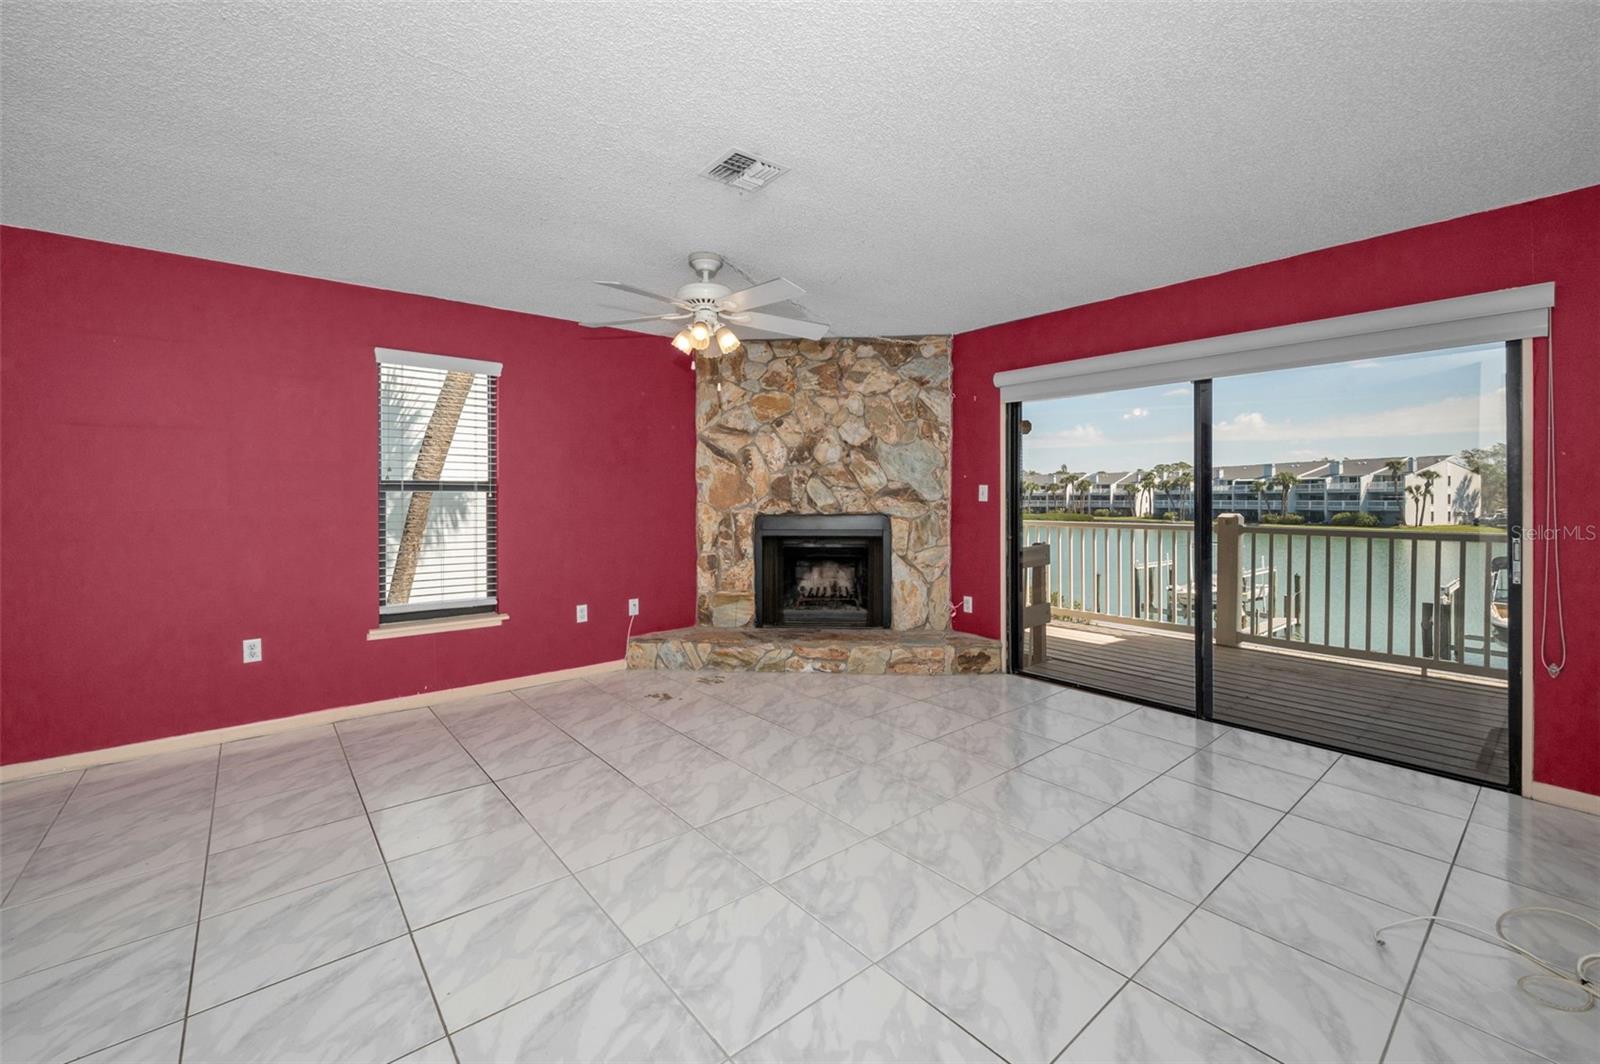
710 307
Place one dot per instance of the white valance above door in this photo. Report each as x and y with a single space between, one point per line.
1509 314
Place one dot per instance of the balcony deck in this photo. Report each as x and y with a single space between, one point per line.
1438 722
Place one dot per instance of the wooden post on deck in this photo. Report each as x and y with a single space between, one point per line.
1035 600
1229 528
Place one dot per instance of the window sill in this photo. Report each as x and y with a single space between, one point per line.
401 629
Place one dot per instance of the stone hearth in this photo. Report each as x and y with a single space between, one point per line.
837 427
859 650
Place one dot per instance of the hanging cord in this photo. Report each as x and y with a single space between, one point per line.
1578 985
1552 525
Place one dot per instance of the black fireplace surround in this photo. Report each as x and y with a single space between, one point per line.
822 570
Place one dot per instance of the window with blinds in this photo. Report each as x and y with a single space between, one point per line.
436 486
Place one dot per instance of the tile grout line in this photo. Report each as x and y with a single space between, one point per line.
974 897
1137 879
1427 936
1297 949
1126 980
786 792
592 901
766 884
1476 787
1332 827
131 942
1133 979
1282 815
410 933
200 909
40 844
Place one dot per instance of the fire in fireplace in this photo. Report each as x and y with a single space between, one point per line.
822 570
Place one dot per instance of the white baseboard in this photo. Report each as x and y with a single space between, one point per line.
1549 792
191 740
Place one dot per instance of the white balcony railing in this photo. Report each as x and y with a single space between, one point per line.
1419 598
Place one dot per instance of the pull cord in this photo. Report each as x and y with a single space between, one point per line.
1552 524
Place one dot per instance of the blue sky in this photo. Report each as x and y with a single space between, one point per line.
1434 403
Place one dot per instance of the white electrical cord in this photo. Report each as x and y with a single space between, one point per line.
1578 984
1552 524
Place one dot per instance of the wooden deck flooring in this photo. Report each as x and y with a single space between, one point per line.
1438 723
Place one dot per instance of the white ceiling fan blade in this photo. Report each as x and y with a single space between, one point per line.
760 295
619 286
776 323
632 321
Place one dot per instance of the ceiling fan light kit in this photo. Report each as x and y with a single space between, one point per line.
711 306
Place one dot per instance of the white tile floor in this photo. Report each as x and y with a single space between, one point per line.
669 867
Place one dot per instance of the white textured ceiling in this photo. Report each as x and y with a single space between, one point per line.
952 164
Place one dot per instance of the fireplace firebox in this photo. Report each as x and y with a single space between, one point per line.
822 570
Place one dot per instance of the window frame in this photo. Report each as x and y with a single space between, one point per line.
488 487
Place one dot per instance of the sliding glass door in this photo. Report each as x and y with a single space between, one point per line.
1106 501
1319 553
1362 561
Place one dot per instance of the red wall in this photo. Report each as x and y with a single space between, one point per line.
190 459
1553 239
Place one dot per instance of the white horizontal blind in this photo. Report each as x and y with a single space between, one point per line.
1509 314
451 567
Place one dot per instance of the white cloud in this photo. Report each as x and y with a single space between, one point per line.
1180 392
1136 412
1480 416
1076 436
1251 426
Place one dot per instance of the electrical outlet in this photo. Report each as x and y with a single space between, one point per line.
633 607
983 493
583 613
252 650
966 603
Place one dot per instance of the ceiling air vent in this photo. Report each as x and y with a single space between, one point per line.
743 171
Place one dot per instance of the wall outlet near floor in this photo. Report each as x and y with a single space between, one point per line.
983 493
583 613
633 607
966 603
252 650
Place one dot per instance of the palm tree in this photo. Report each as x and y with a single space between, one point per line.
435 448
1416 493
1286 481
1428 477
1147 485
1489 464
1064 481
1184 482
1260 488
1396 468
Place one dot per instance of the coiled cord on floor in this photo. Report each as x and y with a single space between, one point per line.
1578 980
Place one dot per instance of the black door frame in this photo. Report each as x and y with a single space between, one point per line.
1013 533
1204 561
1515 550
1204 555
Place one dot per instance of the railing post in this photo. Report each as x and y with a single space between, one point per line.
1229 529
1035 595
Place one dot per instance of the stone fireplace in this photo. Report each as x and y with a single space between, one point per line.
839 428
822 520
822 571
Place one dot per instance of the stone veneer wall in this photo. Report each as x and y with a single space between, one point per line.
837 426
